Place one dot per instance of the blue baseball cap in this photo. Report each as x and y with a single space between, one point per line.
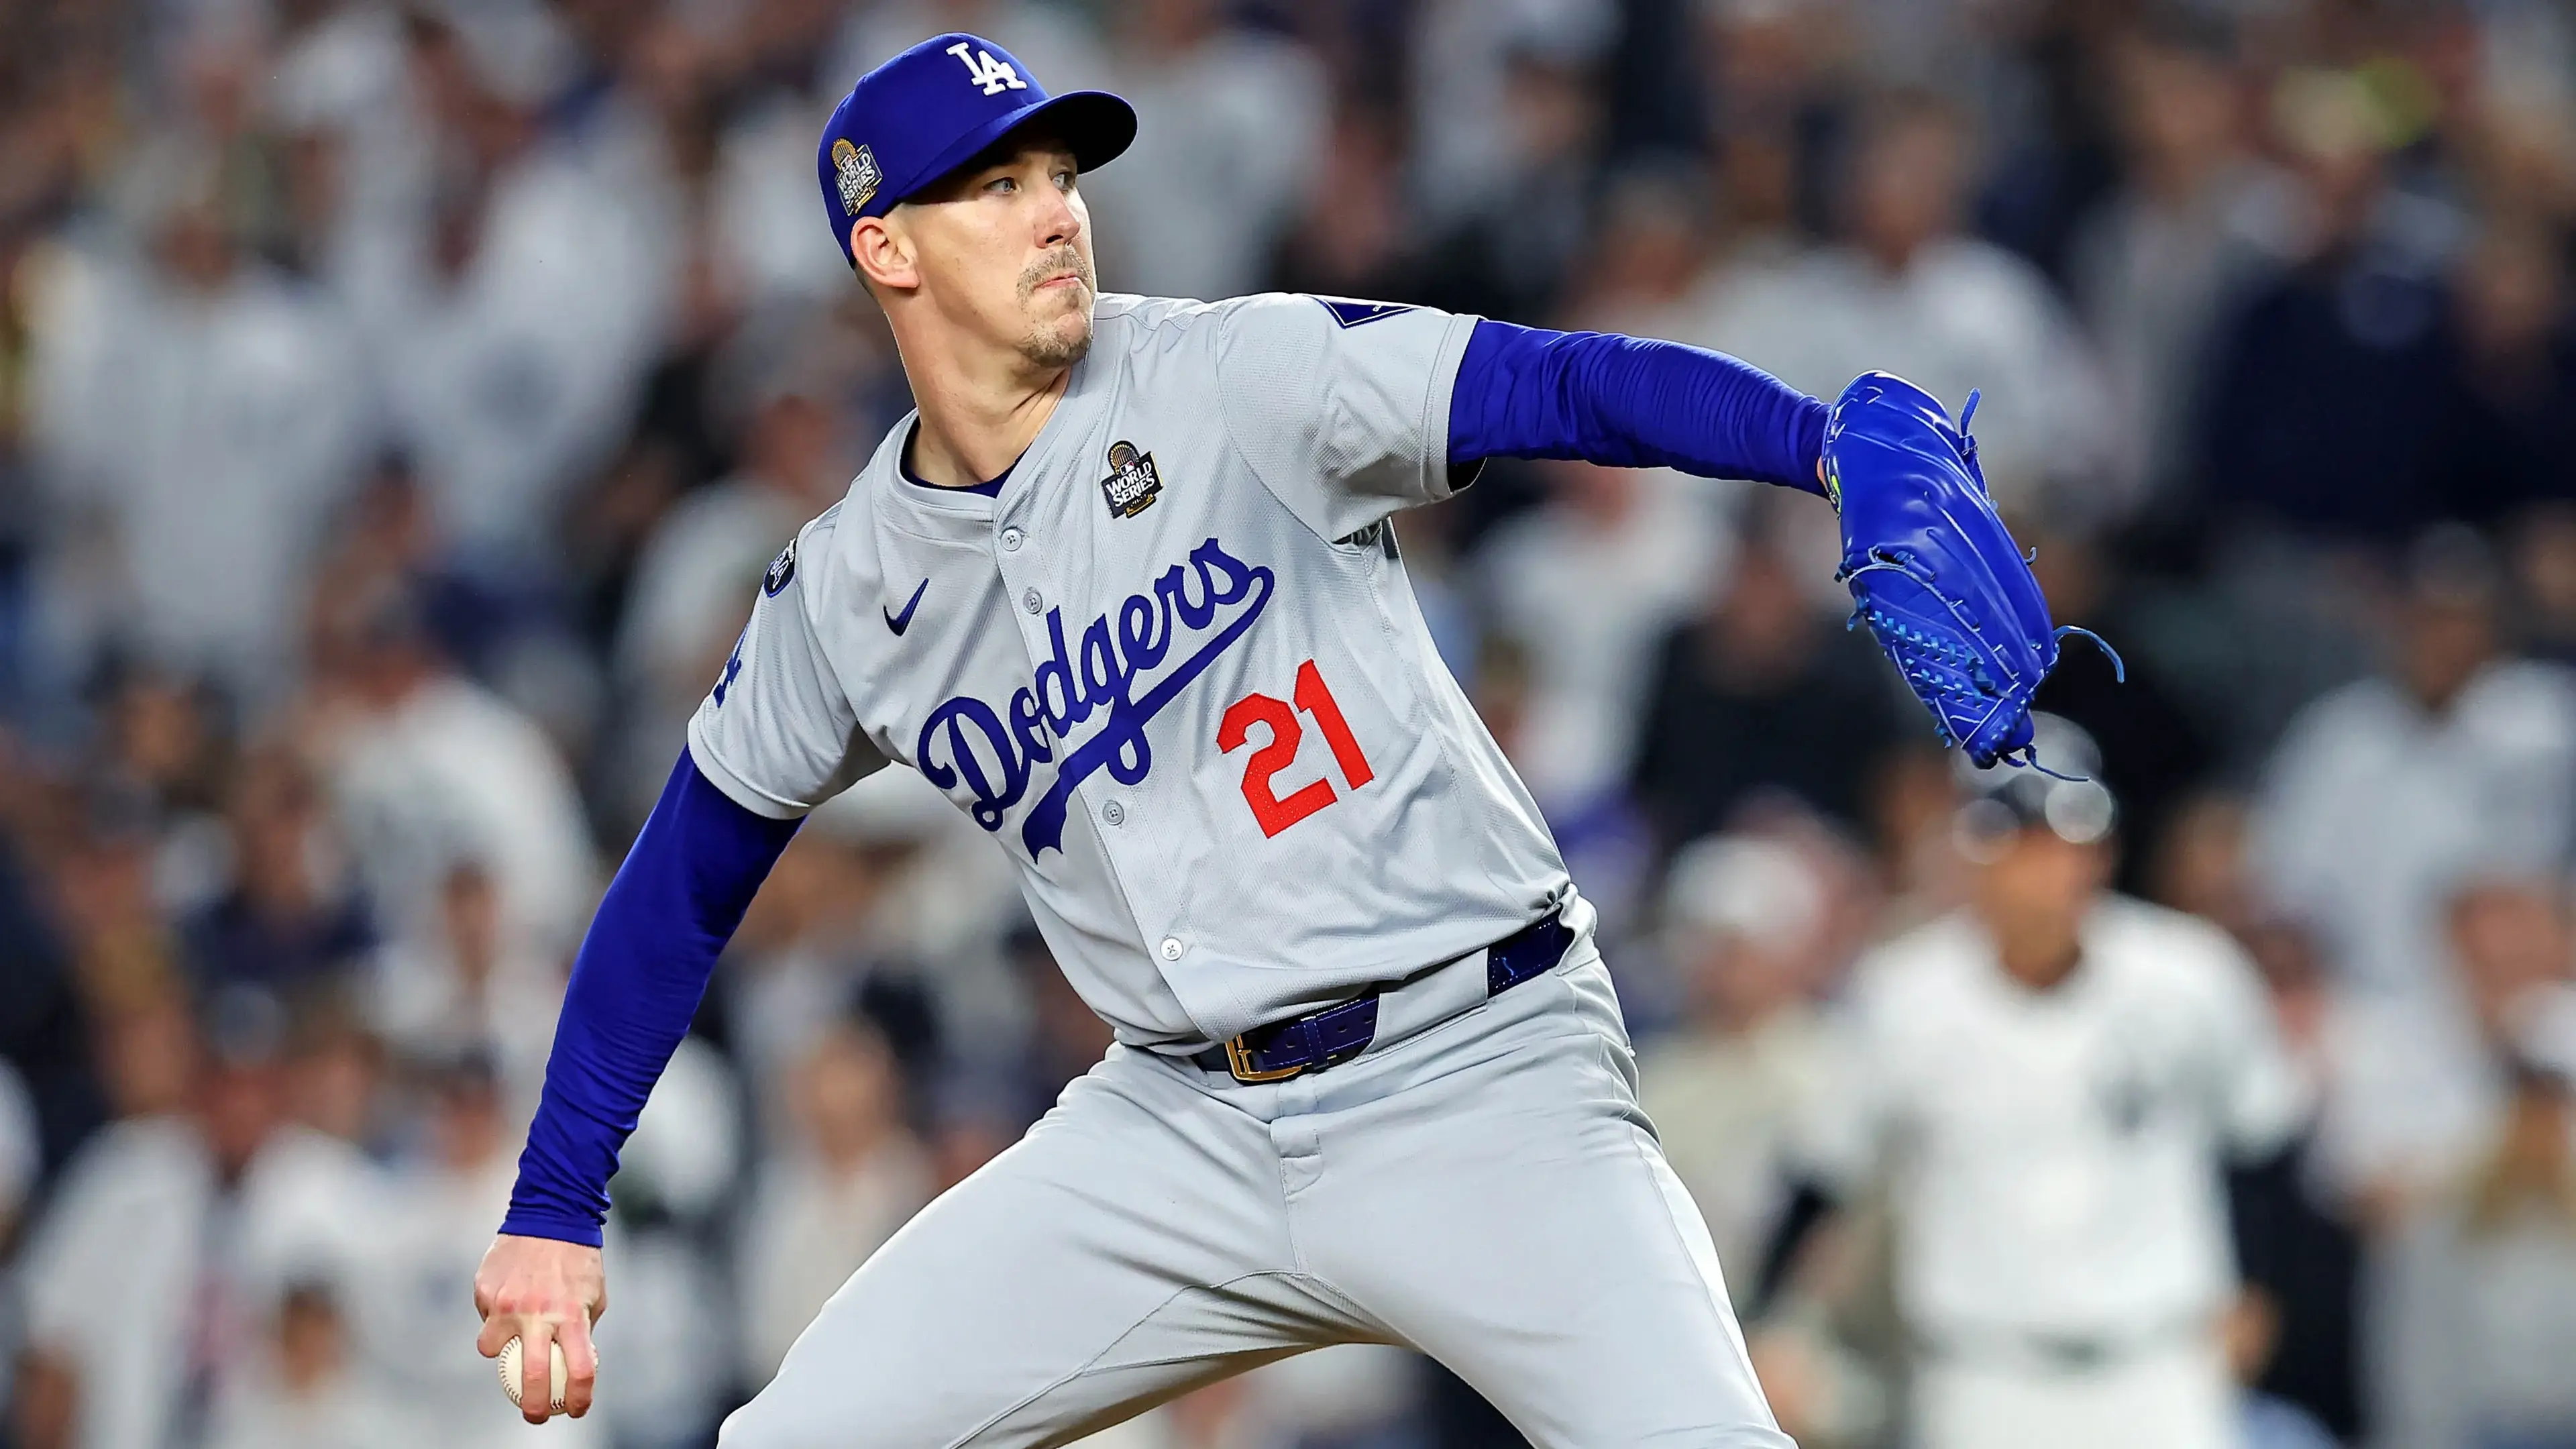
937 106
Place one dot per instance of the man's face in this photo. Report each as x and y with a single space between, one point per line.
2446 642
2036 888
1003 251
1908 187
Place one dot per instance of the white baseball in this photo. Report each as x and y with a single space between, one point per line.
510 1373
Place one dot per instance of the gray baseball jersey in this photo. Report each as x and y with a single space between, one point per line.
1175 668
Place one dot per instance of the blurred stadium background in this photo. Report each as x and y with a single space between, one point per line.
399 401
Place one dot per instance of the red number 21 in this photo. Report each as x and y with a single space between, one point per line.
1268 808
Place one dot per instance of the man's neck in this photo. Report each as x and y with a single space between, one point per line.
973 430
2038 960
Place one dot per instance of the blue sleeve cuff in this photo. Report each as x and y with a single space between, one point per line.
634 989
1525 392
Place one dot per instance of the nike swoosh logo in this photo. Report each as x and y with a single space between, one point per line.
900 622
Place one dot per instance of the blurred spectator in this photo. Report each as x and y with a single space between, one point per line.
167 745
2327 393
1353 235
2509 448
679 1174
427 766
415 1306
1776 104
1054 39
2155 751
878 879
1066 1038
2160 265
887 877
513 326
168 1235
1911 295
1591 582
471 984
853 1175
1467 113
2298 1334
1230 127
700 570
1511 248
1745 919
2414 1086
310 1388
2488 1312
759 216
44 1022
2200 865
197 414
1652 249
2544 566
1760 694
336 1069
21 1150
291 916
2386 793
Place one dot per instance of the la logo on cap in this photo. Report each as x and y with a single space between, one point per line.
995 76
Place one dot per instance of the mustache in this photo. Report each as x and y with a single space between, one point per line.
1063 259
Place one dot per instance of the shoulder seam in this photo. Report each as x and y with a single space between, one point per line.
1224 319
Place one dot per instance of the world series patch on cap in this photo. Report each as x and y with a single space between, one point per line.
912 121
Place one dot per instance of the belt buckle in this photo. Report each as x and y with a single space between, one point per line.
1238 1061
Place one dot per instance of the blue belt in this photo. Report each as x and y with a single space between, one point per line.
1319 1039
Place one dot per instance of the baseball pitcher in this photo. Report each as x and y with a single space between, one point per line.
1124 587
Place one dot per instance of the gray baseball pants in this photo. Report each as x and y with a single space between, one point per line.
1480 1185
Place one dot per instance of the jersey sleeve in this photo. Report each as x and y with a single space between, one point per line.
1341 407
777 733
1840 1141
2260 1097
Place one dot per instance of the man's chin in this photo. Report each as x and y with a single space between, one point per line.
1063 341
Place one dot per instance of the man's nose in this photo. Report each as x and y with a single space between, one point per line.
1058 222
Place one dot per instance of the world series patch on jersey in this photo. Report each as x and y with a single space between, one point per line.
1206 719
1132 481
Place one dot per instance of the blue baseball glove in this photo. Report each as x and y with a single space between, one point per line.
1932 571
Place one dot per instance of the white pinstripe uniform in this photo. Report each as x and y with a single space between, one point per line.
2062 1249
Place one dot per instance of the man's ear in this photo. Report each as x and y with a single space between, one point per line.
883 255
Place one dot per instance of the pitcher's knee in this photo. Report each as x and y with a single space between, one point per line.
775 1420
769 1423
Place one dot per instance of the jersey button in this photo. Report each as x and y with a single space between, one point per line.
1031 602
1172 948
1114 813
1012 538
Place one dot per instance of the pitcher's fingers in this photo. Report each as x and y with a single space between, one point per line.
498 1329
581 1365
536 1370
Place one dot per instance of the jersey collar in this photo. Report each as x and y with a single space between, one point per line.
949 512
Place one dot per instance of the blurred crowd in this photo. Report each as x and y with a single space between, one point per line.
400 400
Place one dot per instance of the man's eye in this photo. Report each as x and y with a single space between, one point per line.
1002 185
1064 181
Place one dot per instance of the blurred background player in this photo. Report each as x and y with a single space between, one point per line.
2052 1080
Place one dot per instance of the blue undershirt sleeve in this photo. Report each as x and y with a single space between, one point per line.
635 986
1627 402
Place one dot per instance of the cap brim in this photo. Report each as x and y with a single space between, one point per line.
1096 125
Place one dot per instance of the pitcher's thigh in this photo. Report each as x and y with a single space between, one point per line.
1132 1247
1528 1234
